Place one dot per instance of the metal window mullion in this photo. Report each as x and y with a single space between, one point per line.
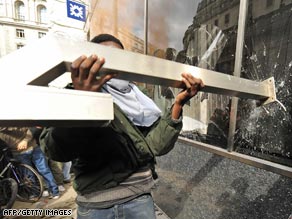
145 27
243 9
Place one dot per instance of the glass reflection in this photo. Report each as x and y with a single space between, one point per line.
205 38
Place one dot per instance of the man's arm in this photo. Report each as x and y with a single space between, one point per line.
163 136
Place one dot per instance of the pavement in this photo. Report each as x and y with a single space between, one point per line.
195 184
66 201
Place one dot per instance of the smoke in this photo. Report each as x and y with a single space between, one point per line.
167 19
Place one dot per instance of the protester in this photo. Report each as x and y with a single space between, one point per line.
114 163
54 168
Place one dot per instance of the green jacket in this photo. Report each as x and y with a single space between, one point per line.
105 156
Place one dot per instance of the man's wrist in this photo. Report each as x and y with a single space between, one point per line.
176 110
178 103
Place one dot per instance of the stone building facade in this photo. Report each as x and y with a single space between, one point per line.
24 21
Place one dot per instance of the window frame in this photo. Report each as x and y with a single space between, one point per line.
19 8
41 34
20 33
41 16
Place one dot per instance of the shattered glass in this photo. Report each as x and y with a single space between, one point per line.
265 131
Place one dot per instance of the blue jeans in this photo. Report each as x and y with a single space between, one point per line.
37 159
66 170
139 208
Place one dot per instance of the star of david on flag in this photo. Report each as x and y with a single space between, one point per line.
76 10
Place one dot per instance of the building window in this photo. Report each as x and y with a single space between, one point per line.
19 46
41 14
20 33
269 3
42 34
19 11
216 22
227 18
2 9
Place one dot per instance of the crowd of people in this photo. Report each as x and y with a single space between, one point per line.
24 145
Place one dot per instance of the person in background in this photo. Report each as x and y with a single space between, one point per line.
24 147
217 130
66 171
57 170
54 166
114 163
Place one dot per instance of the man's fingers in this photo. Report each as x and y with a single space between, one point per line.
106 78
194 82
85 71
187 83
97 85
75 66
95 69
85 67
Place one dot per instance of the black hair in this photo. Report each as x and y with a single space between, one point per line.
106 37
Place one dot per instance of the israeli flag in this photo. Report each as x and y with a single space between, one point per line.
76 11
